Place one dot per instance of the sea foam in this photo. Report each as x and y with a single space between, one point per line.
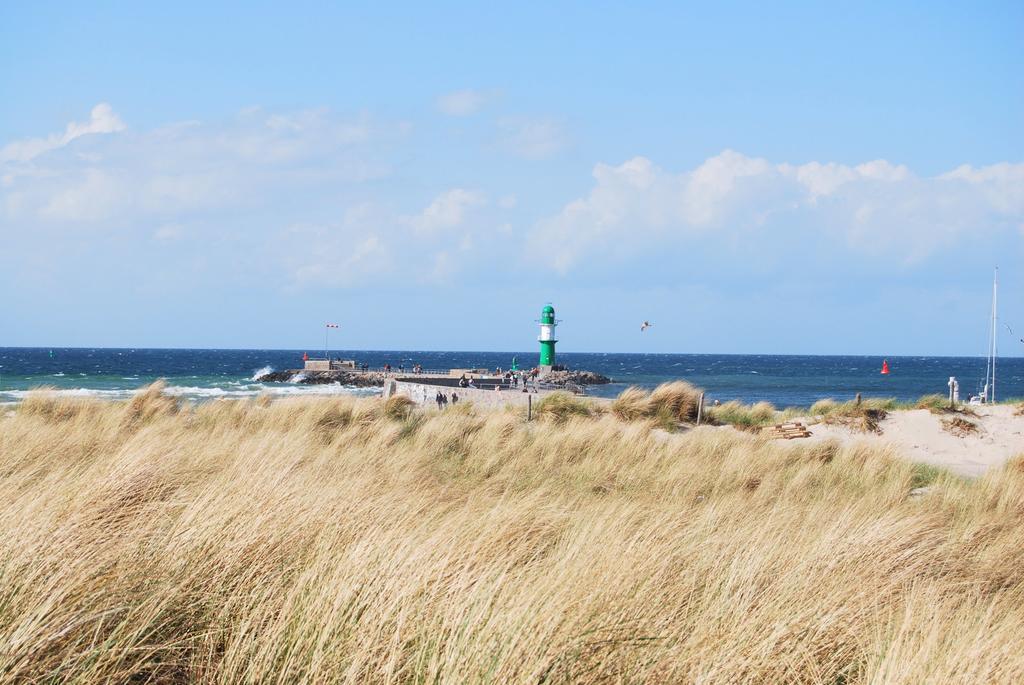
261 372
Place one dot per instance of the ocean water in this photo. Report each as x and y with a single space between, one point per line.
781 379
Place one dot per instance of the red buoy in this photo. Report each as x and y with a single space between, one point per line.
885 366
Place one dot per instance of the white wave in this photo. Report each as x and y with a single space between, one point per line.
254 389
57 375
195 391
192 392
332 389
73 392
297 378
261 372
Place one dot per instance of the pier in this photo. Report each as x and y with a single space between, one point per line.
498 387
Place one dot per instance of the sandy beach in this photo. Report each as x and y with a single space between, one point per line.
919 435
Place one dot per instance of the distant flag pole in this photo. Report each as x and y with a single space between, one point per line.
327 329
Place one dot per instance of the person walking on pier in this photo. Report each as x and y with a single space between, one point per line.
438 400
455 398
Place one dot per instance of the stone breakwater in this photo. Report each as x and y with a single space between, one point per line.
375 379
360 379
575 377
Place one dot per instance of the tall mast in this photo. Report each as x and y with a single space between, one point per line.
989 391
995 330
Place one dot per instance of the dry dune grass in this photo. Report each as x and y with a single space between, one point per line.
744 415
344 540
668 404
673 403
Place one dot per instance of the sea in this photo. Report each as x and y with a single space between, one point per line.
784 380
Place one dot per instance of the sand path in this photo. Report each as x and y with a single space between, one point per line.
919 436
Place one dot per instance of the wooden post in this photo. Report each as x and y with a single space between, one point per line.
700 408
858 399
529 407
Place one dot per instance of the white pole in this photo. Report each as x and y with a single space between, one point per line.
995 327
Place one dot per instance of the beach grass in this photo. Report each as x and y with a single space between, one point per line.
561 406
353 540
667 406
745 416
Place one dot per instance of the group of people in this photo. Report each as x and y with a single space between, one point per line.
417 368
442 399
516 379
509 379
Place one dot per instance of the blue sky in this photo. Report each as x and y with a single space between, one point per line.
809 179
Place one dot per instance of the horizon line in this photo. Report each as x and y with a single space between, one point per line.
515 352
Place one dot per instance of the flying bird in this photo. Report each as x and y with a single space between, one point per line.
644 326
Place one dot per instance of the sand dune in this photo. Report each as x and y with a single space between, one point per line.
920 436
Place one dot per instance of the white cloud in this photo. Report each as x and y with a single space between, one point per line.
225 191
91 198
372 242
188 166
825 179
462 103
168 233
447 210
102 119
353 264
1003 183
532 138
356 251
875 208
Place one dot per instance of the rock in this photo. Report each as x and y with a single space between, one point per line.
920 492
566 378
369 379
275 377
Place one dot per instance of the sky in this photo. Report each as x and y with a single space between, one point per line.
811 179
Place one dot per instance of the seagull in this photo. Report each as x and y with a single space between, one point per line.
644 326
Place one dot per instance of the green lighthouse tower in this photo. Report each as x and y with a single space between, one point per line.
547 338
